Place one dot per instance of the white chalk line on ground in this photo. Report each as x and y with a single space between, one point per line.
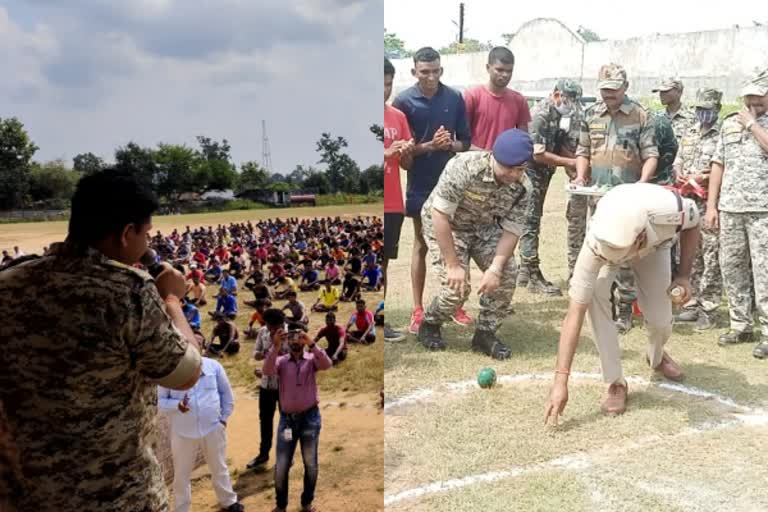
749 416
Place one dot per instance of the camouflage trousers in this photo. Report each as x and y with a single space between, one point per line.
576 216
480 246
529 240
706 279
623 290
744 265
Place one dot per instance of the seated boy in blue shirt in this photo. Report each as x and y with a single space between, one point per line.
310 279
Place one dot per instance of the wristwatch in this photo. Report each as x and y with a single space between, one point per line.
495 269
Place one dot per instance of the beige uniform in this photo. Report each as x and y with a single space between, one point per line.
632 210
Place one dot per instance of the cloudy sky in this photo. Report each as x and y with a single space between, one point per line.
430 22
91 75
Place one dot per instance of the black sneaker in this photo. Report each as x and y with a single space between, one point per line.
235 507
430 336
489 344
392 335
688 315
538 284
258 461
734 337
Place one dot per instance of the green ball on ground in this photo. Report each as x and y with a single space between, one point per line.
486 378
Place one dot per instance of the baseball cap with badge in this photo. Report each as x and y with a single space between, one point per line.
668 84
611 76
757 86
708 98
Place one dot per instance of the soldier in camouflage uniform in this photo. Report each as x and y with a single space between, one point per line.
738 204
86 339
682 118
546 133
577 206
617 144
477 210
694 162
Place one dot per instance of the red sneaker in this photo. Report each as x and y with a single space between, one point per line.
462 318
416 317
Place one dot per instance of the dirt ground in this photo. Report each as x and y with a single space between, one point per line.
33 236
351 458
452 446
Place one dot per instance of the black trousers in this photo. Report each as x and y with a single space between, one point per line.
268 399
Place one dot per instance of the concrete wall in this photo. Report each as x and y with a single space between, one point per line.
546 50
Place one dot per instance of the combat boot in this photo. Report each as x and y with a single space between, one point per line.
705 321
734 337
523 275
624 318
430 337
538 284
761 350
489 344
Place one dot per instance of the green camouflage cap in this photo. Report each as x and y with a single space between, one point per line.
611 76
668 84
569 88
757 86
708 98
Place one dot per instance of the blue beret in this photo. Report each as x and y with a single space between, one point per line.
513 147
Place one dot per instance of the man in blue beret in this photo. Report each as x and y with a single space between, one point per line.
477 210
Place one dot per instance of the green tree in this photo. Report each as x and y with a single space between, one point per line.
508 37
374 178
276 177
468 46
318 181
213 150
87 164
394 47
378 131
176 170
588 35
52 181
252 177
343 172
137 160
216 175
16 152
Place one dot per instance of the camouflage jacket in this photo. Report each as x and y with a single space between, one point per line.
546 131
667 146
468 193
617 145
696 149
83 338
745 178
682 121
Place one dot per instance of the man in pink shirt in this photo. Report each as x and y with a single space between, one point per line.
299 415
493 108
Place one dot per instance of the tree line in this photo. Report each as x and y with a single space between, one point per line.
172 170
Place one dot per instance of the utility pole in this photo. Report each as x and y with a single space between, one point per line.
461 23
266 155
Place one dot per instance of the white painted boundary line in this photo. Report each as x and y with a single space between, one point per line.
749 416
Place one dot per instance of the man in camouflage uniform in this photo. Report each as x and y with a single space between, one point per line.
617 145
477 210
738 204
692 168
670 91
546 133
86 339
576 206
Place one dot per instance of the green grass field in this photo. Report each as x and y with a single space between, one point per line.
451 446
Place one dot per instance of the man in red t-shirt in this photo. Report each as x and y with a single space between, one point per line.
398 148
363 323
336 336
493 108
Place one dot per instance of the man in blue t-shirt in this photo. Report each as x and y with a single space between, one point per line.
228 282
192 314
226 305
437 118
372 278
310 279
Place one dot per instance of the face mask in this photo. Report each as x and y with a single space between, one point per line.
564 108
706 116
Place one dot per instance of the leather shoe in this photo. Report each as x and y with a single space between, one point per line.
669 368
615 400
733 337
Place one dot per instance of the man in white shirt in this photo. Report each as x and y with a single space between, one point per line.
635 224
198 421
